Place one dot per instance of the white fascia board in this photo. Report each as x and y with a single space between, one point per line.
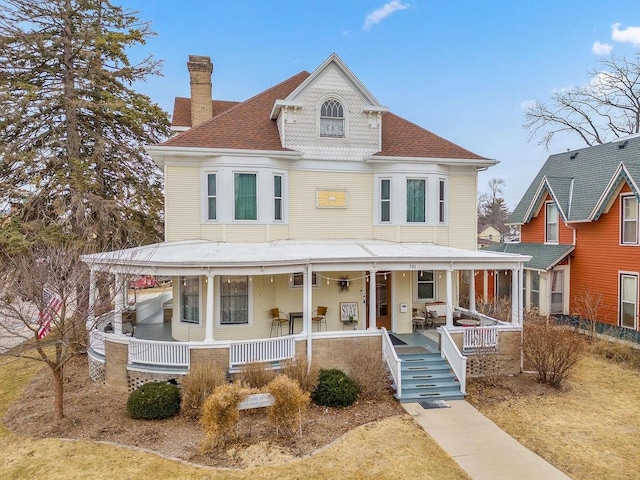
613 182
179 129
375 108
464 162
275 111
159 153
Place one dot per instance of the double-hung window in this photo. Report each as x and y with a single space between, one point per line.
190 299
234 300
426 285
629 222
416 200
441 201
297 280
211 197
277 198
245 196
551 226
628 300
557 291
385 200
534 301
332 119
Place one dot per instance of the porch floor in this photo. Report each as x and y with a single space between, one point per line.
427 340
159 332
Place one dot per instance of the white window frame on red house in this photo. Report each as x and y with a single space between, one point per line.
633 301
628 220
548 225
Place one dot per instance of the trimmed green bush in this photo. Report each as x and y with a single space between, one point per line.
154 401
335 389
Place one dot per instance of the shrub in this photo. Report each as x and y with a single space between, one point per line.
220 414
369 371
552 351
154 401
198 384
256 375
298 369
335 389
617 352
290 404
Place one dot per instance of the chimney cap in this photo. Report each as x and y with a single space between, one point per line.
200 63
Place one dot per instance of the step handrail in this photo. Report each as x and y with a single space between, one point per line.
393 361
458 362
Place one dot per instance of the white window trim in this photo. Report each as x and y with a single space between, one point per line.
205 196
315 284
218 303
416 289
623 198
233 196
443 201
281 197
635 275
565 287
345 118
546 224
426 200
200 302
390 201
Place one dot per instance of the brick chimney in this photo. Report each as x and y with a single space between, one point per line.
200 70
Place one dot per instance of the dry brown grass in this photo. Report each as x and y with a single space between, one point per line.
301 371
368 370
197 385
255 375
589 429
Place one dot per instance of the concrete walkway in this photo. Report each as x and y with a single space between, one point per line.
479 446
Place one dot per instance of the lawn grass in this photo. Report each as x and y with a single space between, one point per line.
395 448
590 430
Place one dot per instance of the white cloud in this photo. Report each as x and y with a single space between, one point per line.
383 12
527 104
601 48
627 35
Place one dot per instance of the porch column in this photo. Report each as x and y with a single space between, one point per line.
485 286
449 299
307 302
520 299
208 321
125 292
372 299
119 300
91 314
515 301
472 291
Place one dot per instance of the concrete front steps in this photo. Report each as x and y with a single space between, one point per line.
428 377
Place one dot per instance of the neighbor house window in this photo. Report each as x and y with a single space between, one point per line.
557 291
426 285
190 299
332 119
534 301
416 200
551 228
441 202
385 200
297 280
628 300
277 197
246 196
211 197
234 300
630 220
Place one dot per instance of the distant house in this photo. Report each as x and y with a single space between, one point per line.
579 223
314 199
488 235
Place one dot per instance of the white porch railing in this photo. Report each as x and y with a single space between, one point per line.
478 338
96 341
393 361
267 350
172 354
458 362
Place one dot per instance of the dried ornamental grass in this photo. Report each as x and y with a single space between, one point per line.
301 371
220 414
198 384
290 404
256 375
369 371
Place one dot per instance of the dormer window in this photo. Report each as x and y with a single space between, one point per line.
332 119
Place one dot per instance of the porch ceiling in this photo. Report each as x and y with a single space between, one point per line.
201 256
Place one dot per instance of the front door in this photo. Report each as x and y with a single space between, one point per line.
383 301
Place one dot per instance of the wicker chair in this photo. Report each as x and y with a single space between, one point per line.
278 319
319 317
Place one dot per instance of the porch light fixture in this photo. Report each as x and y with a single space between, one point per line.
271 278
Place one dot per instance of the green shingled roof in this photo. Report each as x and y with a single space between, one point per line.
579 179
543 257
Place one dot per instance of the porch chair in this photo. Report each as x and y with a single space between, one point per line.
319 317
278 319
418 319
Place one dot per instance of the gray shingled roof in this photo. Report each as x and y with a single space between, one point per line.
591 170
543 257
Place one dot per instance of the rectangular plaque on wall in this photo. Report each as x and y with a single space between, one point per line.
331 198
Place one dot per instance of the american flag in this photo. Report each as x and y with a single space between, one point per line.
48 312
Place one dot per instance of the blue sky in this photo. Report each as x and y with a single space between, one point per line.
461 69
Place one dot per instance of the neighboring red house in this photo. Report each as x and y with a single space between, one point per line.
579 223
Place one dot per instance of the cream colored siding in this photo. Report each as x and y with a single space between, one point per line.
308 221
303 135
416 234
215 232
462 211
246 233
182 203
402 295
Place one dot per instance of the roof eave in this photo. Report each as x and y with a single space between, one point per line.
465 162
159 153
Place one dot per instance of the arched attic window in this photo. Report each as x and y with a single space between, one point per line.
332 119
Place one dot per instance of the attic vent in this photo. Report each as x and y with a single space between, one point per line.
573 155
624 144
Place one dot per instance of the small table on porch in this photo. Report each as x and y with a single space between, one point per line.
292 318
467 322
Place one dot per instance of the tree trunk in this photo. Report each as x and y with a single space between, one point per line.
58 380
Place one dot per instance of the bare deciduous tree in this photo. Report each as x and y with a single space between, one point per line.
605 109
